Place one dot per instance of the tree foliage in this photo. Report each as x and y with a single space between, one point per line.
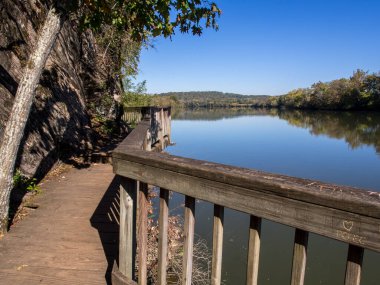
360 91
135 94
123 27
147 18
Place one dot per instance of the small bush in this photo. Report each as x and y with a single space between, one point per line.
24 183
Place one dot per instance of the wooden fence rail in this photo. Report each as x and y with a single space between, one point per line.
343 213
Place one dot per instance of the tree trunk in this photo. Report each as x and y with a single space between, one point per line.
120 107
14 130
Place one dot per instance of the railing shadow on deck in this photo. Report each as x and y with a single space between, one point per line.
106 216
106 220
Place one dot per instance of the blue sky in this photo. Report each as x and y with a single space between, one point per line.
268 47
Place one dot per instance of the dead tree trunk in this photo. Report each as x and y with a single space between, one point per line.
14 130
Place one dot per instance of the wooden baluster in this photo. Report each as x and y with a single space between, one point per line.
299 257
161 128
163 122
143 232
189 240
163 236
127 237
253 250
217 245
165 117
169 124
354 265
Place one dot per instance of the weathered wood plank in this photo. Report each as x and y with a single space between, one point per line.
217 245
349 199
163 236
120 279
189 240
136 138
253 250
143 233
299 257
61 242
349 227
354 265
127 241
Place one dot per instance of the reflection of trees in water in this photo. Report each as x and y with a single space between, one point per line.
215 114
356 128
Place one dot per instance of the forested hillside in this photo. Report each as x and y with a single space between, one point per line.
359 92
199 99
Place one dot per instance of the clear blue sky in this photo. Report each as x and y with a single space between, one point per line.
268 47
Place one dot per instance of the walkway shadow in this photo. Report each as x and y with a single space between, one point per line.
106 220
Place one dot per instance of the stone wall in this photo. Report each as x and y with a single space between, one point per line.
59 122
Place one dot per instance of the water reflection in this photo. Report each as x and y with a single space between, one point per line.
355 128
219 114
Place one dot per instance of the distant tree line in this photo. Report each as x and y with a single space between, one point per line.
360 92
211 99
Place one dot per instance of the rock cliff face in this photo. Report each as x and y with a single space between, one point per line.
59 121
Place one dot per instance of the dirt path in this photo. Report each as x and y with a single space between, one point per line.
72 238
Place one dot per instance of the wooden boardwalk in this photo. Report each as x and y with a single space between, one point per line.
72 238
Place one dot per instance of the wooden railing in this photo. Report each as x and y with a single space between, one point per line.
153 125
343 213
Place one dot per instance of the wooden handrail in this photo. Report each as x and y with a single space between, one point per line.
359 201
343 213
300 203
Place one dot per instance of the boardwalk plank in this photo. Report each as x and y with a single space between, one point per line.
72 238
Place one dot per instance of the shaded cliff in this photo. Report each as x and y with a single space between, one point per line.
59 122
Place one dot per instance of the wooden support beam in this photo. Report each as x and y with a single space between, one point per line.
217 245
354 265
127 238
189 240
299 257
143 233
253 250
163 236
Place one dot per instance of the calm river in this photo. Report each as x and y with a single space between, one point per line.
337 147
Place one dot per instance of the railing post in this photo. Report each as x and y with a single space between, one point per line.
163 236
354 265
217 245
127 238
253 250
161 128
189 240
143 233
169 128
299 257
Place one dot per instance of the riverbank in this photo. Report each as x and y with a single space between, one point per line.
359 92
